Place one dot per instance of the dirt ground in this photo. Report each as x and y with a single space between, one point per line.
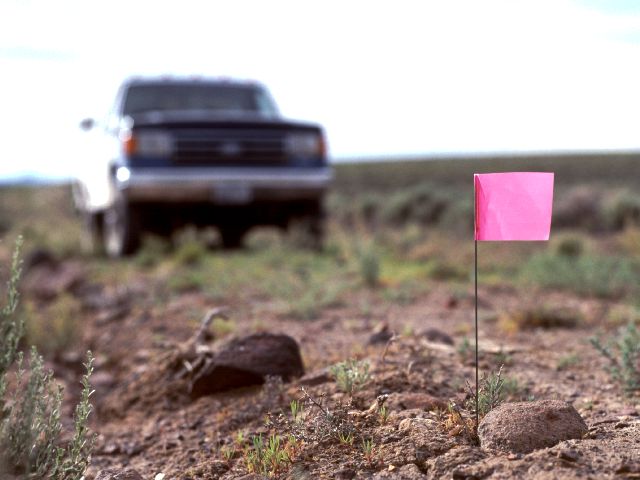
146 420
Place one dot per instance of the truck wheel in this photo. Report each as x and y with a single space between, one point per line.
92 233
121 229
232 237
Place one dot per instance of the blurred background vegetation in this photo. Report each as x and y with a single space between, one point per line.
395 229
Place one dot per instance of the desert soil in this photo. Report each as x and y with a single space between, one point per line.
146 420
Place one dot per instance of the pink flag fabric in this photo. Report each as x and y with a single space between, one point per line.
513 206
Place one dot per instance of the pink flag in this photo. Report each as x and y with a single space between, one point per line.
513 206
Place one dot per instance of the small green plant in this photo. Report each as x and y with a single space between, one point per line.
466 350
153 249
370 267
351 376
492 391
190 253
383 414
569 246
368 450
228 452
222 326
345 438
53 328
623 355
266 459
567 361
297 411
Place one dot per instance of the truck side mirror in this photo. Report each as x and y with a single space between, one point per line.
87 124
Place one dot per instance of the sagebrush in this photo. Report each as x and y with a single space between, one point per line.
623 355
30 426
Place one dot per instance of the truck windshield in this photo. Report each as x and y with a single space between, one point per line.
179 97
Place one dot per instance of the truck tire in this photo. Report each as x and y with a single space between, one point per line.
92 233
121 229
232 236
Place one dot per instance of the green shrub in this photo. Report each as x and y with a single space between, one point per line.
190 253
581 208
153 249
370 267
442 271
569 246
623 210
587 275
351 376
422 204
30 426
623 355
53 328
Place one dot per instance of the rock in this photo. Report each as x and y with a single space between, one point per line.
413 400
569 455
628 466
426 437
39 256
345 474
112 474
247 361
523 427
438 336
406 472
454 463
317 377
381 334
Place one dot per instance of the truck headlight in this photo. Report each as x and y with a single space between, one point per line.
304 145
153 143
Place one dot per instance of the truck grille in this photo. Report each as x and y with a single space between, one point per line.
228 147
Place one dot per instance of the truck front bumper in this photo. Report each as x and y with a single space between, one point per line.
222 185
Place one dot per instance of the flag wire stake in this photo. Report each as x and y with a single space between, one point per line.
476 290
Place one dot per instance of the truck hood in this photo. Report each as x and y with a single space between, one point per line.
201 118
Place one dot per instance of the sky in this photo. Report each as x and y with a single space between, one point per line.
385 79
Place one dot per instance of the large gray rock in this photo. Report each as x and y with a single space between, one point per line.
523 427
247 361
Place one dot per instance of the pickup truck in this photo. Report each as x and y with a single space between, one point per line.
204 152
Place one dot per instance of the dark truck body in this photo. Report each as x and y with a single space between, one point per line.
230 169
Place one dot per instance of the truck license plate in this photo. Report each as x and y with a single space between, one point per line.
232 194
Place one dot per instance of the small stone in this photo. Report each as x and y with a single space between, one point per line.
523 427
381 334
112 474
569 455
628 467
409 471
345 474
438 336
